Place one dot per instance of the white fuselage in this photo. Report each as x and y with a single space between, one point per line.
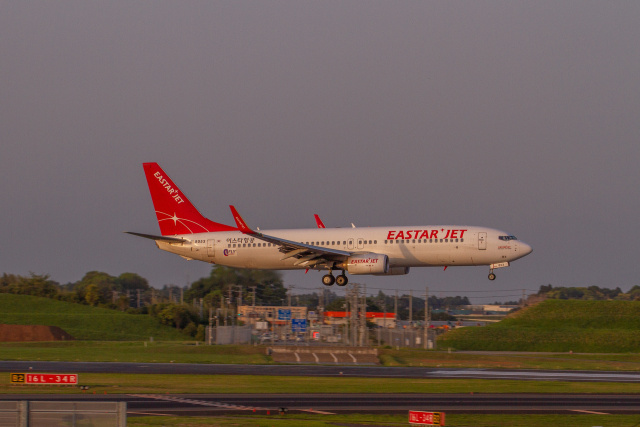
419 246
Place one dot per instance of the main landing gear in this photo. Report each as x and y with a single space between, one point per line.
329 280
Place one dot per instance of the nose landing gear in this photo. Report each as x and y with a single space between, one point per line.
492 276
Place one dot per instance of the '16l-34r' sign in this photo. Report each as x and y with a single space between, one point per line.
61 379
426 418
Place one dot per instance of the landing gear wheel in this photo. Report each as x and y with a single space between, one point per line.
342 280
492 276
328 280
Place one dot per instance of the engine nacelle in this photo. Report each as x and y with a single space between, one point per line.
395 271
370 263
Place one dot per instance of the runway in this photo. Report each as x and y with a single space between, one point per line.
318 371
218 404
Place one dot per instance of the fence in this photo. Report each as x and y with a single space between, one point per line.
62 414
228 335
413 338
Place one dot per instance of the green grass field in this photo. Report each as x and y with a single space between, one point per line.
81 321
189 352
266 384
133 351
452 420
557 326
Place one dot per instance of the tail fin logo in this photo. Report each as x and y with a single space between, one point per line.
169 189
175 213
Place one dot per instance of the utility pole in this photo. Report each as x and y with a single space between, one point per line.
224 307
210 334
395 308
321 305
230 293
427 318
410 307
363 318
354 314
346 310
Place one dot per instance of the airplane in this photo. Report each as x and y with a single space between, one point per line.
378 251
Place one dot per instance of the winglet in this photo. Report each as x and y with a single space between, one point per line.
319 221
242 226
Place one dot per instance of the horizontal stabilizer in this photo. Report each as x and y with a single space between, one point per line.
158 238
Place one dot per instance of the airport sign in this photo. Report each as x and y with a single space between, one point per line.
426 418
29 378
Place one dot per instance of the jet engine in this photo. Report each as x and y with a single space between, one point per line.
369 263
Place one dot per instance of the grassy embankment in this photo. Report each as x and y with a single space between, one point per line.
81 321
557 326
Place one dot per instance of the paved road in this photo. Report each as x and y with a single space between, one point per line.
216 404
316 371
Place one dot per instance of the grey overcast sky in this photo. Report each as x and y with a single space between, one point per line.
522 116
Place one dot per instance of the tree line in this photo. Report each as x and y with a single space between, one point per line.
594 293
185 308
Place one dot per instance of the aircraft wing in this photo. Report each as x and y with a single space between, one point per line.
158 238
307 255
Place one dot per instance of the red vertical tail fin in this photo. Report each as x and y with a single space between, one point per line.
175 213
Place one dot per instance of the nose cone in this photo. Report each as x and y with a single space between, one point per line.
524 249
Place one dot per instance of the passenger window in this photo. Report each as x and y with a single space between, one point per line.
375 242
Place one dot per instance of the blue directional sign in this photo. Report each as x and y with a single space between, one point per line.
284 314
299 325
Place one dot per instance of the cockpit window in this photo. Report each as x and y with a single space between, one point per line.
507 238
